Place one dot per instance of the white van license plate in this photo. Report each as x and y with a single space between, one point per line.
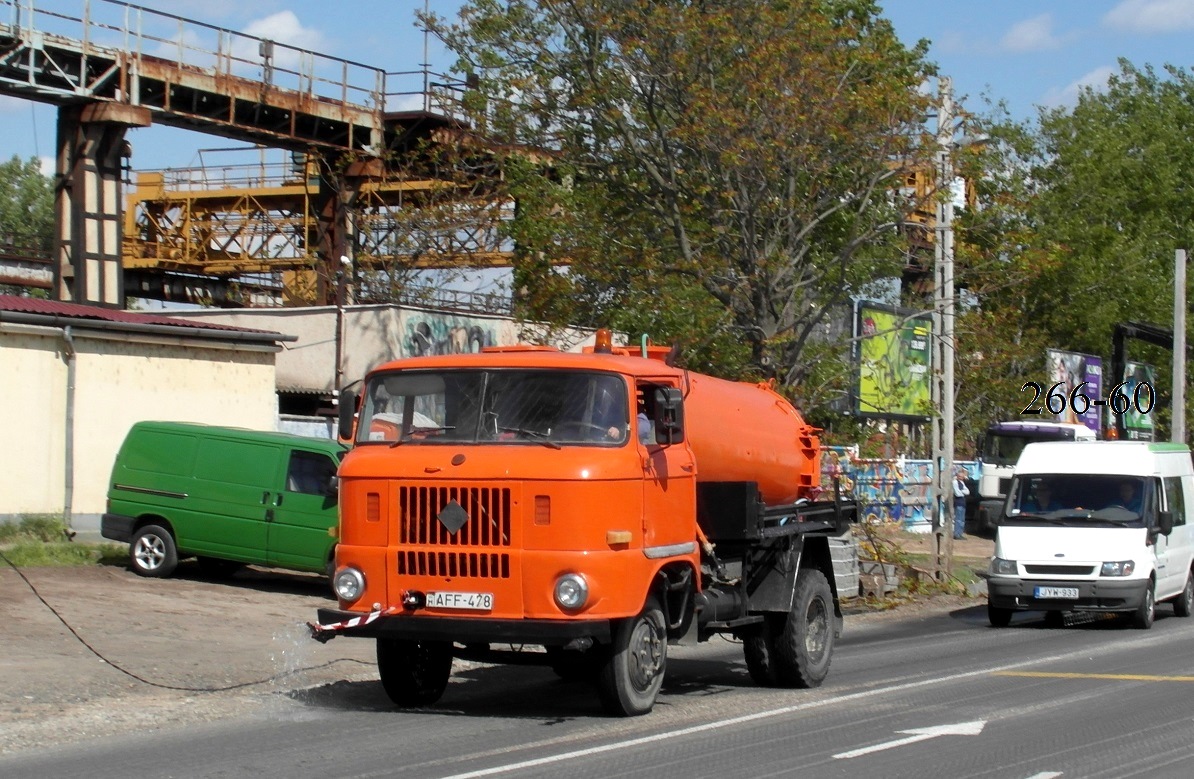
1056 593
472 601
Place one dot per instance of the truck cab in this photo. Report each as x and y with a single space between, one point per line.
999 450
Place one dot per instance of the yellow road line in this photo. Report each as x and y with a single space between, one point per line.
1123 677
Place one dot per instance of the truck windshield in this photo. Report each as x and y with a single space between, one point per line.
1002 449
1075 498
527 407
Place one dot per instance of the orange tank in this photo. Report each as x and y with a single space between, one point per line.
749 432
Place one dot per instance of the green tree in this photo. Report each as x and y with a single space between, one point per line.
26 210
722 172
1115 201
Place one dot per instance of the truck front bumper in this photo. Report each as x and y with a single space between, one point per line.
1099 595
464 630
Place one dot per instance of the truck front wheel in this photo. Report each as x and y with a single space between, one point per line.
633 673
414 673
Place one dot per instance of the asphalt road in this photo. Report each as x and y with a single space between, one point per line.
913 694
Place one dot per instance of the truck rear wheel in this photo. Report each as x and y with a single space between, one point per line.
794 649
806 644
630 680
414 673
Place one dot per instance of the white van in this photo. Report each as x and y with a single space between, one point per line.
1095 526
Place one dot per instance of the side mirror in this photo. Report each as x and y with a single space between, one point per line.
1165 522
669 416
348 411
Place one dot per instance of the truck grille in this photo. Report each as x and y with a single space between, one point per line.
1060 570
470 524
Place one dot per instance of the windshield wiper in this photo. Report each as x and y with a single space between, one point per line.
534 435
406 436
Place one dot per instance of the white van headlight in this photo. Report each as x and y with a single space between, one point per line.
1003 567
1118 568
571 591
349 584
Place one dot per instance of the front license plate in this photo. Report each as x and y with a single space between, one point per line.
473 601
1055 593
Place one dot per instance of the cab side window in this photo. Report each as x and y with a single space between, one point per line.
1175 499
310 473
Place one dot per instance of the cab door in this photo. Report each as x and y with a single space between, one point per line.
669 478
304 512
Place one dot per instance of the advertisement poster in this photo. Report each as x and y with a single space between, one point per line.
1071 369
1140 381
893 363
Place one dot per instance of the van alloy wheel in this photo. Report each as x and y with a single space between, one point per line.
152 552
1184 603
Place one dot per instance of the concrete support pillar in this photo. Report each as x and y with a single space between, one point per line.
88 201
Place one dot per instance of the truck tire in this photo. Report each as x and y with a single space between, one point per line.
413 673
1142 618
794 649
758 647
805 646
632 675
152 552
999 618
1184 603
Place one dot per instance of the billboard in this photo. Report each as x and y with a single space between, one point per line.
1071 369
894 360
1139 381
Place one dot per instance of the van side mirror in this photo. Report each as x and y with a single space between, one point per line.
348 411
669 416
1165 522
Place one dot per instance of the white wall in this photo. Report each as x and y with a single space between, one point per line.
120 378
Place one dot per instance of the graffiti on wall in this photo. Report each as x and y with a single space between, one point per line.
446 334
887 490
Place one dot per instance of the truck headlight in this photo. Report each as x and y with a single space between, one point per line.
571 591
349 584
1118 568
1003 567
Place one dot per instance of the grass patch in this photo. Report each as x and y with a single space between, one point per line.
40 540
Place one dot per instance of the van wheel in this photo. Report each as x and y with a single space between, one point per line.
216 568
1142 619
414 673
999 618
632 675
1185 602
152 552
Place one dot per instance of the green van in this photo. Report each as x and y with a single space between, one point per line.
226 495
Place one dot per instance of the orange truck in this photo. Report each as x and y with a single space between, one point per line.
525 505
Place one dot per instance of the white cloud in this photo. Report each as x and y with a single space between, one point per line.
1035 34
1068 95
1151 16
285 27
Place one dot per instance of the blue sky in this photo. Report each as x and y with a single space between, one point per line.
1027 54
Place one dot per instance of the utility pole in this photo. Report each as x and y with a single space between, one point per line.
943 342
1177 430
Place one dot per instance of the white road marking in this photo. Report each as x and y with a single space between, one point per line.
919 734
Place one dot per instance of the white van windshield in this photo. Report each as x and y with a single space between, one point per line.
1074 498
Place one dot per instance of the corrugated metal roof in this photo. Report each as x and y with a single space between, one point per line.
29 305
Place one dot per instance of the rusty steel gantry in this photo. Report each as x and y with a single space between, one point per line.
115 66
